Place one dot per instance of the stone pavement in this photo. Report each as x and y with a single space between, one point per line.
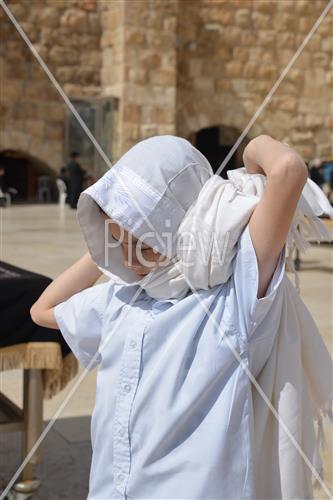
47 240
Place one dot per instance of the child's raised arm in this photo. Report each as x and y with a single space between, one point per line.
270 222
81 275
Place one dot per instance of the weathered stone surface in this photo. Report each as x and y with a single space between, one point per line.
174 66
75 19
243 17
49 16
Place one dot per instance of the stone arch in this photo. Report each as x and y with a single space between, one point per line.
215 142
22 171
199 112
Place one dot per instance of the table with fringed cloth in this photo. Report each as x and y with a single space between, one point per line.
42 353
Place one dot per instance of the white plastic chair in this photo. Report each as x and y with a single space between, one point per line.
62 192
6 196
44 188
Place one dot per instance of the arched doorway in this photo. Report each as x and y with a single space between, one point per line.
216 142
22 171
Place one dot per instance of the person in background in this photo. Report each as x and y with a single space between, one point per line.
76 175
327 170
316 171
2 179
330 196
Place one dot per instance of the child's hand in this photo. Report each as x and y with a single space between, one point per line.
81 275
248 160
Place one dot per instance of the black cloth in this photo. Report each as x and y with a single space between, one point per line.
3 185
76 175
3 188
19 289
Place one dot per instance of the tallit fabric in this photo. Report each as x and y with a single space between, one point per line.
174 203
166 179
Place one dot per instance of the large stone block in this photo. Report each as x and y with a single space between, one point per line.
232 35
260 20
284 56
286 40
164 115
162 77
131 112
284 22
311 105
265 6
324 150
54 130
166 129
92 58
12 89
234 69
65 74
222 85
131 131
50 16
296 76
328 122
35 127
75 19
150 59
148 130
243 87
266 38
94 24
313 121
250 69
327 44
287 103
136 75
63 55
195 67
267 71
107 38
243 18
240 54
89 5
322 59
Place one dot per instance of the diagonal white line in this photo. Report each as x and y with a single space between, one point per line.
275 86
10 15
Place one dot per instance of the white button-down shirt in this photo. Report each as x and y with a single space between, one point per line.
173 415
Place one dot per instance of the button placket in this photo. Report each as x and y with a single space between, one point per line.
128 380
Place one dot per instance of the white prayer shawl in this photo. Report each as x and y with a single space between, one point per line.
166 178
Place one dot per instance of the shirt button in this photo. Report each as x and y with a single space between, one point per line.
120 477
133 344
127 387
121 432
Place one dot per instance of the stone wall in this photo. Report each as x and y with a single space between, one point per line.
175 66
231 53
66 34
139 66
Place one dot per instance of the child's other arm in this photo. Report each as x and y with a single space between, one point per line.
81 275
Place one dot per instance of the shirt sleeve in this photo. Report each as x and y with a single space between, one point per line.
250 311
80 320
